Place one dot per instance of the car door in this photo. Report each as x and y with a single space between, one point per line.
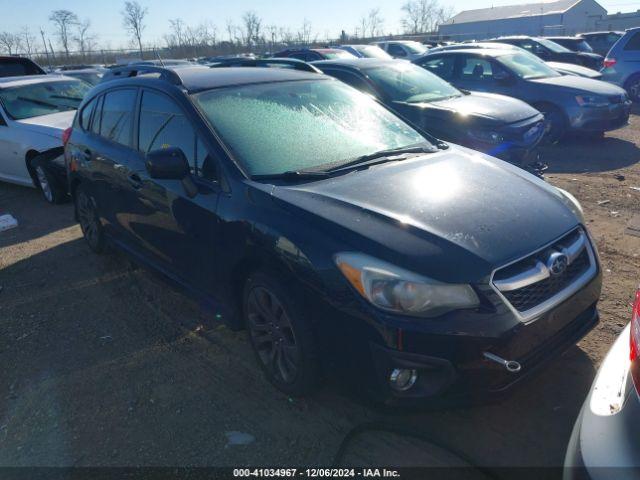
482 74
110 156
13 167
174 226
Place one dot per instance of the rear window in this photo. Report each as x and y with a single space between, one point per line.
634 42
10 67
42 98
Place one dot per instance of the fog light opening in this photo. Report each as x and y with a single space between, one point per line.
402 379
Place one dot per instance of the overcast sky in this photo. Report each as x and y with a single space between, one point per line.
328 17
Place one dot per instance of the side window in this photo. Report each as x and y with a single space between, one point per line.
299 56
97 118
396 50
353 80
441 66
476 69
163 125
117 113
633 43
85 114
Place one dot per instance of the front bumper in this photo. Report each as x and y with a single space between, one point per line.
451 365
599 119
519 144
604 442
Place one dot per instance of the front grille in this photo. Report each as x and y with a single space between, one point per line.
532 281
532 295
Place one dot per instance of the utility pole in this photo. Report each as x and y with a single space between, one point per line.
46 52
52 52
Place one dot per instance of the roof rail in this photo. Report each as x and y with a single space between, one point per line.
136 70
293 63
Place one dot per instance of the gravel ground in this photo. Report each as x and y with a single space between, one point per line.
105 365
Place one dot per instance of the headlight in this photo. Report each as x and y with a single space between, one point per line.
397 290
578 208
592 101
486 136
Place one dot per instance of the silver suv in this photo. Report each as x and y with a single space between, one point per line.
622 65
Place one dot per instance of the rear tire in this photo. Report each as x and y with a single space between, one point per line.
633 88
87 215
281 335
49 186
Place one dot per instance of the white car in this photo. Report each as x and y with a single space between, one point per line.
34 113
403 49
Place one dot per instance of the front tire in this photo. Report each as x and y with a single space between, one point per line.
556 121
281 335
87 215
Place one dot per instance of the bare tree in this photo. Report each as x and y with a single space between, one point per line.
28 39
8 42
251 33
133 21
83 38
375 22
176 37
423 16
63 20
303 36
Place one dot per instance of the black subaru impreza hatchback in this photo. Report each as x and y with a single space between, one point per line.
341 238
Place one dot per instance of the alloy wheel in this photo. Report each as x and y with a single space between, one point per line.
88 220
44 184
272 335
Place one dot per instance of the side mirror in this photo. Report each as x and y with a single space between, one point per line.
167 163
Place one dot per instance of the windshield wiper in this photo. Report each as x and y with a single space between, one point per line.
64 97
38 102
383 156
293 175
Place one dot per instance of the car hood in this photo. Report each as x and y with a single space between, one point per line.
574 69
581 84
483 107
431 212
52 125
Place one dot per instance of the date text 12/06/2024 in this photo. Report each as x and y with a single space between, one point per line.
316 472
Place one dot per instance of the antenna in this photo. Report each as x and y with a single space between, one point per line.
159 58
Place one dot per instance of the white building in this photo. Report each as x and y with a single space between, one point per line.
555 17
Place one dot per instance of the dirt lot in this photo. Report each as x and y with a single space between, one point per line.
103 364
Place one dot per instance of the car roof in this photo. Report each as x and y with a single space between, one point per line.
197 79
7 82
563 37
357 63
515 37
491 52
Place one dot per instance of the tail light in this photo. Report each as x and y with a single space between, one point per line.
635 342
609 62
66 135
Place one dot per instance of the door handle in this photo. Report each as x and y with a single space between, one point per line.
86 154
135 181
